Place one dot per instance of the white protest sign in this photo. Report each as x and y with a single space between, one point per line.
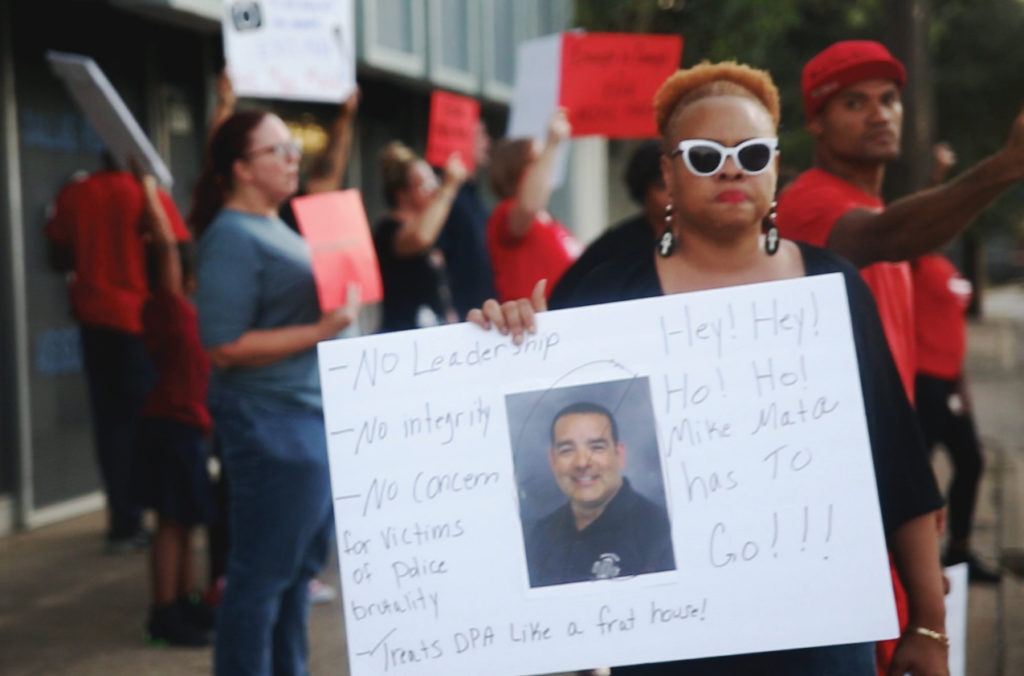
535 96
107 113
283 49
739 409
956 618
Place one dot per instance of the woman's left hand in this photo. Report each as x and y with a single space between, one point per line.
516 317
919 656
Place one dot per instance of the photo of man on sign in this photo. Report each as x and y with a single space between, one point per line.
598 525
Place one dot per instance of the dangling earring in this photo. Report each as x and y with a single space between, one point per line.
771 233
667 241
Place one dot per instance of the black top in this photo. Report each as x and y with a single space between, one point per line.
906 484
627 238
464 243
409 283
630 537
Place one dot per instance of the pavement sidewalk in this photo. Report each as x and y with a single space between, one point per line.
66 608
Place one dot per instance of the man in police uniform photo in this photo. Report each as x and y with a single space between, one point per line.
605 529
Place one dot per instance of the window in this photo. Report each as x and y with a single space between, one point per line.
394 32
455 43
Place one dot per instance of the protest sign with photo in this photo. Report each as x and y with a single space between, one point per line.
740 427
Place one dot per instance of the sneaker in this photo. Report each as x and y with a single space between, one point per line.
137 542
166 626
320 592
195 611
976 570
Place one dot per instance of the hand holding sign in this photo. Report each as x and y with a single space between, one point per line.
559 128
454 171
333 322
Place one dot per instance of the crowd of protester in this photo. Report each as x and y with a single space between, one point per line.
240 366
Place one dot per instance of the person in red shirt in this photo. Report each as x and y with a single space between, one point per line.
526 244
851 97
169 468
941 297
93 234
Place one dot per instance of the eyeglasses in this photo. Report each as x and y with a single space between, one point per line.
705 157
285 150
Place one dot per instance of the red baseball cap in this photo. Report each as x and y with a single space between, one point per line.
841 65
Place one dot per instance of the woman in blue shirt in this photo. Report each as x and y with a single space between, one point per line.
260 322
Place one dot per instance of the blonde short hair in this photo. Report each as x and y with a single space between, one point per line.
395 160
706 80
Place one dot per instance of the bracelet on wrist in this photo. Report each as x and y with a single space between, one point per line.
930 633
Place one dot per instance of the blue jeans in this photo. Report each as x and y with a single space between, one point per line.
119 373
279 511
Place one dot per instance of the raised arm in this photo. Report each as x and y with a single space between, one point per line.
328 168
156 232
534 191
420 232
226 100
922 222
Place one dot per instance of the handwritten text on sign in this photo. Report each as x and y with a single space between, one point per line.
766 468
282 49
608 81
453 129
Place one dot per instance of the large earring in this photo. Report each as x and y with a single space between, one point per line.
667 241
771 233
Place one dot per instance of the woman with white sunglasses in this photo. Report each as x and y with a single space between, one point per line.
718 126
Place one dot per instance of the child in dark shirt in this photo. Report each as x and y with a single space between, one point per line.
171 460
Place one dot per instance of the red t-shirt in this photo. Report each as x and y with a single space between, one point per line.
545 252
807 210
171 333
941 297
97 218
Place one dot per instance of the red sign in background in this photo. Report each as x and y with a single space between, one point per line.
452 128
609 79
338 233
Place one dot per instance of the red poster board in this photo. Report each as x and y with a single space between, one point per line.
609 79
338 233
452 128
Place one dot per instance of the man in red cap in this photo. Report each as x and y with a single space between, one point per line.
851 96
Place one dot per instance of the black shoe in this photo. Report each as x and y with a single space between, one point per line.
194 611
166 626
137 542
976 570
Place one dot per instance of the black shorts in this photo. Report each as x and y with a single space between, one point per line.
169 472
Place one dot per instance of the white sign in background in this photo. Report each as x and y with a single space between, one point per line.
108 114
767 468
535 96
288 49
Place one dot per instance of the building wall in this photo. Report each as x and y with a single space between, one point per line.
162 56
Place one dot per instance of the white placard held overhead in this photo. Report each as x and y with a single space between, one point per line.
535 97
281 49
107 113
740 430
